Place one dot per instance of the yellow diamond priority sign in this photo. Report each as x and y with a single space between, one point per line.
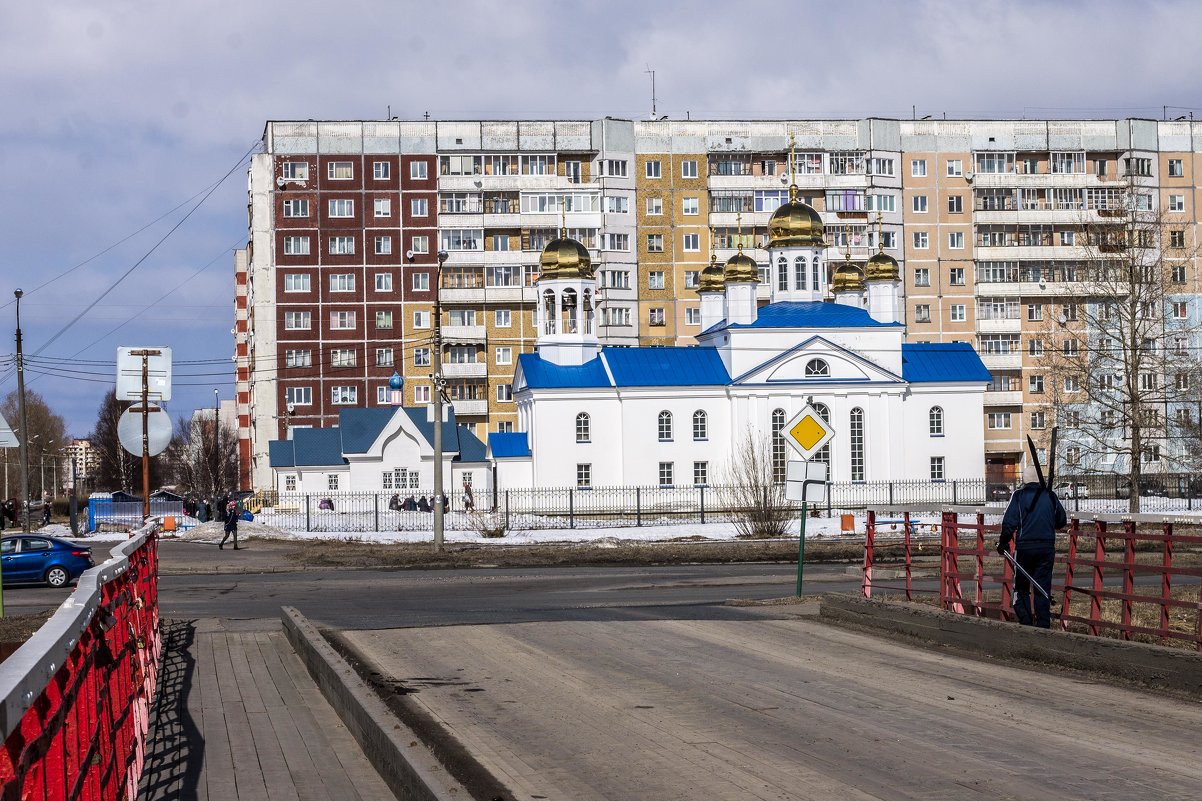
807 432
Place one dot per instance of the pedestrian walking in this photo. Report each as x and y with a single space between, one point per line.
1031 521
47 506
231 524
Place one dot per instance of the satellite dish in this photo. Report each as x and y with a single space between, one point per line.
280 182
158 427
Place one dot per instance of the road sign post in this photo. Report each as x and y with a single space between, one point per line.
806 433
156 381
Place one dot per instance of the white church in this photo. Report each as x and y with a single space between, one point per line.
590 416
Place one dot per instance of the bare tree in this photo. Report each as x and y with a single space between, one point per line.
117 468
1121 374
751 492
46 441
203 456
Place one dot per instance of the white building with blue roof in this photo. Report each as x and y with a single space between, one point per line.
591 416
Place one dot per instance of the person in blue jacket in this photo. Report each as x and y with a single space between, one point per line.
1031 521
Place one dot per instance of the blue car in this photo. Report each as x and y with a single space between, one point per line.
29 558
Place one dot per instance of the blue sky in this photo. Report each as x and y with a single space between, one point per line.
120 116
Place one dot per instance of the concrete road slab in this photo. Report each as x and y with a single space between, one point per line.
778 709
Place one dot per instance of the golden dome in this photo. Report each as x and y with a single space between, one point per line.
848 278
741 268
796 223
882 267
713 278
565 258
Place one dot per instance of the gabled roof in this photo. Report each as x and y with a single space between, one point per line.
666 367
317 446
809 314
281 453
542 374
942 362
361 427
509 445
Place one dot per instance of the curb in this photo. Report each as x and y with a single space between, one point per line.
408 768
1127 663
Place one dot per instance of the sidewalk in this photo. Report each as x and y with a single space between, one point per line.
239 718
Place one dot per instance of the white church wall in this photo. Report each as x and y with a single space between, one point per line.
642 448
962 445
554 439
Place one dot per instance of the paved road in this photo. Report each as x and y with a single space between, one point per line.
778 709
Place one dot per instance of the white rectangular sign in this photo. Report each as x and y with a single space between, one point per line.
129 373
805 481
8 439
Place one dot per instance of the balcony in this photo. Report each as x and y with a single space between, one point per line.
477 408
463 333
465 370
461 295
520 294
1009 398
1004 180
1002 361
1005 325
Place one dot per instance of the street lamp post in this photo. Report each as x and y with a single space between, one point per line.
24 442
436 365
217 471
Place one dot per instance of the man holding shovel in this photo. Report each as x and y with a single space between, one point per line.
1031 519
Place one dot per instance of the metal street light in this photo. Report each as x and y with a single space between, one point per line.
21 413
436 364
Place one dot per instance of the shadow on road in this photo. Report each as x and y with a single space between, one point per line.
175 748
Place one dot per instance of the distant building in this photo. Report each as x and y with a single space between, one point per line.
82 462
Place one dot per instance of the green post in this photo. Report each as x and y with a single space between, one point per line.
801 549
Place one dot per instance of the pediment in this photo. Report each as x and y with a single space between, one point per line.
797 366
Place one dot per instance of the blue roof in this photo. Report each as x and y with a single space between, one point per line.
360 427
471 449
317 446
280 453
542 374
810 314
942 362
666 367
509 445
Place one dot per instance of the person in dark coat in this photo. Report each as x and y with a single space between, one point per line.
202 510
231 524
394 503
422 504
410 505
1031 521
220 507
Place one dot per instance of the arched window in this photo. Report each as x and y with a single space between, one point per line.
779 448
701 425
799 272
550 313
665 426
817 368
856 439
814 274
824 453
584 427
782 274
568 304
936 421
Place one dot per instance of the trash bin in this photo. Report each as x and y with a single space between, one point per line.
847 523
169 523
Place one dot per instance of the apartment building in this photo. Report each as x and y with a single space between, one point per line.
337 285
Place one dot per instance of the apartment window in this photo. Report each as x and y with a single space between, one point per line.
1067 163
462 317
1068 238
955 240
918 168
1039 420
296 246
421 319
342 282
1180 310
936 468
615 242
299 396
342 320
344 396
692 243
421 393
1182 381
690 206
922 313
955 168
421 282
921 240
922 276
504 355
935 421
383 320
504 393
296 282
664 426
503 318
421 357
958 313
655 243
1072 348
1071 384
584 475
1034 312
955 204
418 170
665 474
956 276
382 207
420 244
342 246
340 170
655 279
342 357
920 204
584 427
1106 381
688 169
692 316
296 208
294 171
655 206
504 426
419 207
381 170
611 168
691 279
1138 166
998 420
298 358
1176 202
1035 384
384 357
615 317
1035 347
617 204
297 321
1176 239
653 169
1176 168
880 203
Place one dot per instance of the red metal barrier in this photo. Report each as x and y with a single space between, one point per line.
75 699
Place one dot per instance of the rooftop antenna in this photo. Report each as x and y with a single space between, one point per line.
651 72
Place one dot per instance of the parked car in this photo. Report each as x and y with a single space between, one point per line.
28 558
999 492
1148 487
1067 490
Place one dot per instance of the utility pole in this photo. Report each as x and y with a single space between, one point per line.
24 422
145 410
218 473
436 365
